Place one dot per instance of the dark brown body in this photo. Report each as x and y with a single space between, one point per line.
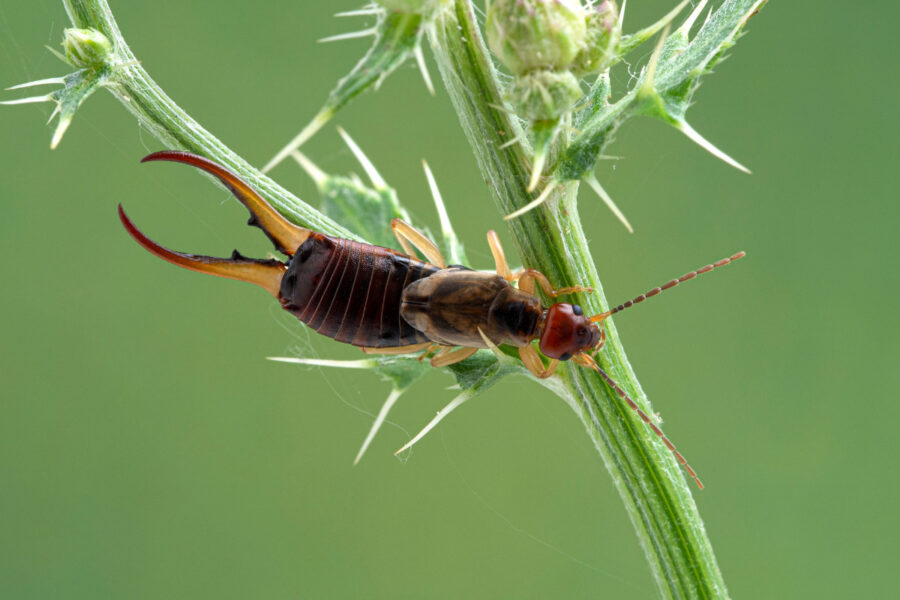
352 292
376 297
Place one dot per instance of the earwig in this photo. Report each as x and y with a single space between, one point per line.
389 302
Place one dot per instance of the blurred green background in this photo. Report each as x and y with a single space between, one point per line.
148 450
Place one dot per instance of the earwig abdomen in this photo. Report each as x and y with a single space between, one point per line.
351 292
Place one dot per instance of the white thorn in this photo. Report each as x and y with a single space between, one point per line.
365 363
362 12
534 203
701 141
349 36
57 54
379 421
374 176
598 189
48 81
31 100
54 113
317 174
536 169
423 68
647 86
501 108
64 122
622 14
446 226
310 130
492 346
689 22
670 16
451 406
128 63
511 142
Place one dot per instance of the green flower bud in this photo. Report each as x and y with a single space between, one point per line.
544 95
603 34
410 6
528 35
86 47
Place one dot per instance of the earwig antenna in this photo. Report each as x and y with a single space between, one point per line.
586 360
665 286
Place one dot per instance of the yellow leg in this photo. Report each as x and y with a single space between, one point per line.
502 266
431 348
397 349
526 277
447 357
411 239
533 363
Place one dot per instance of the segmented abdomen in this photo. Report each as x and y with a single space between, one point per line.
351 291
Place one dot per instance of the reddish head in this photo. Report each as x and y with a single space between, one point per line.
567 332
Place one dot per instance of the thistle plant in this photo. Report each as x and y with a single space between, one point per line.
530 83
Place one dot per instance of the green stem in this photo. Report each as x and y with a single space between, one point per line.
550 239
131 84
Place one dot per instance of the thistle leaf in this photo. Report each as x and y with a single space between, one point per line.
397 35
362 209
663 91
76 88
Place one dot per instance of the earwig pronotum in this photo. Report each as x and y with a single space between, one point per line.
388 302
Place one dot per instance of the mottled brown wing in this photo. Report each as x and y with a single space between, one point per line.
451 305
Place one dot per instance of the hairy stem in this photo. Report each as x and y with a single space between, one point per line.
550 239
131 84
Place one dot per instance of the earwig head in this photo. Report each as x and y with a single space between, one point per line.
567 332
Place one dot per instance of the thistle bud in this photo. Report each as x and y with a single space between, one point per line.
544 95
86 47
602 35
527 35
409 6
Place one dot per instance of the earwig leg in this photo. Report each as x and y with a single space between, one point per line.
602 341
533 363
431 348
286 236
502 266
527 278
449 358
412 348
411 239
265 273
